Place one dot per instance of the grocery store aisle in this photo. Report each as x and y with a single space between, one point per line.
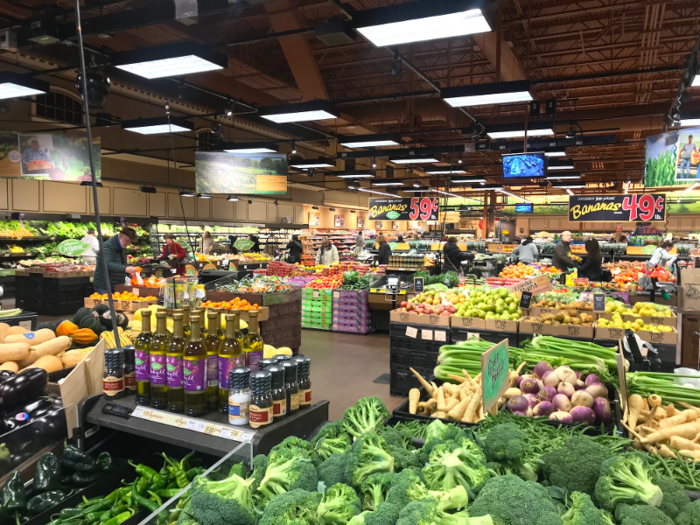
343 367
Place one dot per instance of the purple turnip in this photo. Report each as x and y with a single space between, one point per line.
597 390
580 385
564 417
544 409
541 368
581 414
518 413
582 398
517 404
518 381
601 407
550 378
561 403
592 378
567 389
529 386
578 374
532 400
548 393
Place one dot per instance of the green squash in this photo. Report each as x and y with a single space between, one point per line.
93 324
100 309
81 314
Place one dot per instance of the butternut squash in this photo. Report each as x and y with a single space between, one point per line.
53 347
4 328
14 330
72 358
13 351
32 338
50 363
11 366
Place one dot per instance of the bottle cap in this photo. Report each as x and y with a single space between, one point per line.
260 382
280 357
290 371
264 364
177 316
114 358
239 378
277 373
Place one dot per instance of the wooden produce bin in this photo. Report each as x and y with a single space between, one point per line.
142 291
120 305
399 316
562 330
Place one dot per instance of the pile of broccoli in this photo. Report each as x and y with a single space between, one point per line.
357 471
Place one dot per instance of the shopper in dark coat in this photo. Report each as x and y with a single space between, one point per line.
384 250
295 250
114 252
562 253
591 266
256 246
454 256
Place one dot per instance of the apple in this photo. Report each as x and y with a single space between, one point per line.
404 304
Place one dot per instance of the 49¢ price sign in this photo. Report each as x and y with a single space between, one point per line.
618 208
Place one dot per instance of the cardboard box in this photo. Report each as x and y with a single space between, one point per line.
562 330
263 313
498 325
535 311
132 306
21 272
399 316
662 338
475 323
690 276
667 321
689 297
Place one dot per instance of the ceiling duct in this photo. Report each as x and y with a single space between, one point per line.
186 11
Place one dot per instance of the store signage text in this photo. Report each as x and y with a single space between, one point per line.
617 208
404 209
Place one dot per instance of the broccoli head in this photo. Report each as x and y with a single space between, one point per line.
583 512
369 455
406 486
384 514
510 500
508 445
395 438
258 473
404 458
640 515
576 465
624 478
338 505
331 439
295 443
453 465
332 470
223 502
367 414
287 470
690 514
675 498
296 507
373 489
442 433
428 512
412 429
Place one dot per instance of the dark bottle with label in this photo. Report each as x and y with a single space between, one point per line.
264 364
213 344
260 410
129 370
159 349
279 393
113 376
291 385
304 380
280 357
230 358
142 359
195 372
186 328
176 378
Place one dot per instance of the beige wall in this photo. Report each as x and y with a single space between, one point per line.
556 223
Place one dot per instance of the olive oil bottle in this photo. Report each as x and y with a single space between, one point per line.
195 371
159 349
220 331
237 331
176 379
230 357
213 344
253 343
142 360
203 325
186 329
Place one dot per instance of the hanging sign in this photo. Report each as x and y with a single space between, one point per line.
617 208
537 285
495 374
424 209
243 245
72 248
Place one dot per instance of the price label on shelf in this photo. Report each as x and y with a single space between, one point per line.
197 426
440 336
411 332
427 335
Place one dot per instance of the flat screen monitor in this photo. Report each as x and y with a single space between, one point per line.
524 166
523 208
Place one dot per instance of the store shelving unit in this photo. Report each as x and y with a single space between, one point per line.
345 242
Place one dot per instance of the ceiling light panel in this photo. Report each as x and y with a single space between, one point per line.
456 171
182 58
519 134
555 153
302 112
369 141
414 160
252 147
560 167
487 94
354 175
387 183
157 125
307 164
696 82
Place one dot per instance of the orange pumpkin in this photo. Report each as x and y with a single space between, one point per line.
67 328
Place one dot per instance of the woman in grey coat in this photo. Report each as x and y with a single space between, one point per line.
527 252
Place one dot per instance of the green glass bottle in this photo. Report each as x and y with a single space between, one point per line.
237 330
186 328
176 379
221 332
230 357
213 344
195 371
253 343
142 360
159 349
203 317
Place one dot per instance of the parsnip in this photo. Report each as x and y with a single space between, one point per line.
680 443
413 398
422 381
636 405
686 430
683 417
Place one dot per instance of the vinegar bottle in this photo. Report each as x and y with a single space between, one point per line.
230 358
176 379
194 371
253 343
142 360
159 348
213 344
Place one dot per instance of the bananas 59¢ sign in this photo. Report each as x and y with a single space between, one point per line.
416 209
617 208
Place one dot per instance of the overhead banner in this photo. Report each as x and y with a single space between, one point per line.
240 173
48 156
617 208
416 209
672 158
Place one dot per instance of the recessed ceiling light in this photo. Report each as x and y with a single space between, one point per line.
486 94
251 147
157 125
312 163
182 58
13 85
414 160
445 171
386 183
302 112
420 21
354 175
368 141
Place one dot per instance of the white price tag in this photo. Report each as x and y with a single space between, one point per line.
411 332
135 291
197 426
427 335
138 412
315 294
440 336
229 434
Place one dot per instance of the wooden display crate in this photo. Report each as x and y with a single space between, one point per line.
121 305
399 316
263 313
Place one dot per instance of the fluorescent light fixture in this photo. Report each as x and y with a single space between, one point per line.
157 125
445 171
487 94
448 194
354 175
519 134
569 191
379 193
422 189
414 160
512 194
421 21
353 211
387 183
690 122
369 141
204 195
561 153
251 147
233 198
696 81
504 131
571 176
13 85
182 58
467 181
187 193
312 163
560 167
627 187
302 112
569 185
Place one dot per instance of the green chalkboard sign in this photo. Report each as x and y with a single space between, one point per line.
243 245
393 245
495 370
72 248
